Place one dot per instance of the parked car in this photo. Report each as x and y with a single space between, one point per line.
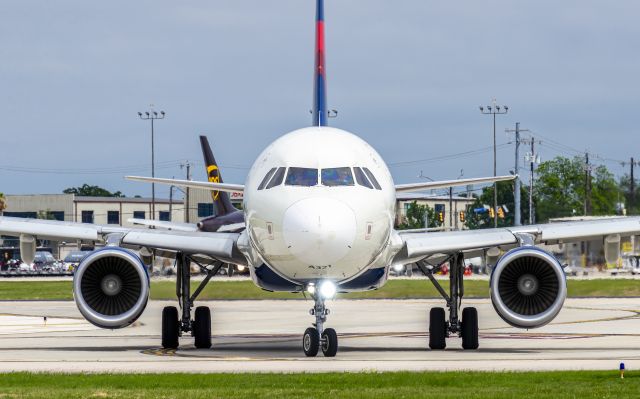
72 260
43 261
402 270
13 265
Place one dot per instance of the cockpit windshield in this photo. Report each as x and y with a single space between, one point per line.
372 178
337 177
361 178
329 177
305 177
278 176
266 179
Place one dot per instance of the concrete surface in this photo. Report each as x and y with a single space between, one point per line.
265 336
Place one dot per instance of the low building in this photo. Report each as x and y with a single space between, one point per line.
98 210
201 204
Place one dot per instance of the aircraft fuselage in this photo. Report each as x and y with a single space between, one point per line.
319 204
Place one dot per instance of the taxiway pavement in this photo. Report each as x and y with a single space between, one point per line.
265 336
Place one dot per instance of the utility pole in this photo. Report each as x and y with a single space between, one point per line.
632 188
171 200
517 219
587 203
187 165
494 110
152 115
587 185
533 158
450 207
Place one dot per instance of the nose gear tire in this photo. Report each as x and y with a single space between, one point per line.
329 342
310 342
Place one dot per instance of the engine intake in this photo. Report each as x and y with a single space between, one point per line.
111 287
528 287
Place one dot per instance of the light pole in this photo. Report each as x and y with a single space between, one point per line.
494 110
152 116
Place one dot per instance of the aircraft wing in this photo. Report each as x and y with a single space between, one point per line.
202 185
431 185
165 225
221 246
419 245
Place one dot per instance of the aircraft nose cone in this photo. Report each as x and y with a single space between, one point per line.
319 231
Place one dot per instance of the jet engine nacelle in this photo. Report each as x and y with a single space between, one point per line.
28 246
111 287
528 287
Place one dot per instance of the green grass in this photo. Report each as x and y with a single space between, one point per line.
476 385
397 289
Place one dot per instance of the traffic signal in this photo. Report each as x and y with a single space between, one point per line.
492 213
500 212
461 216
441 216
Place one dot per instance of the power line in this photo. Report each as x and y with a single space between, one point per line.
105 171
448 157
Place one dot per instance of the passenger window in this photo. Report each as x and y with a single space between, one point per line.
266 178
337 177
305 177
361 178
277 178
372 178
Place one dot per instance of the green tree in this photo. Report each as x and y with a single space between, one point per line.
633 207
45 215
483 220
92 191
414 218
560 189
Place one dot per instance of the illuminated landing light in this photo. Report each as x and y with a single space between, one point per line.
327 289
398 267
311 288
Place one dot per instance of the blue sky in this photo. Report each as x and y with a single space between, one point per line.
407 76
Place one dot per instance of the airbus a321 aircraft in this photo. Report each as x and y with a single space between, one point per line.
319 206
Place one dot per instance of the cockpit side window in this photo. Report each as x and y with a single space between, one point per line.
304 177
372 178
361 178
277 178
332 177
266 178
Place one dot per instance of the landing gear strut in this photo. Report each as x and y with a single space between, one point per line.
439 328
174 326
317 337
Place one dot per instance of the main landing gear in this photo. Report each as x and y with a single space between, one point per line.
317 337
173 324
439 328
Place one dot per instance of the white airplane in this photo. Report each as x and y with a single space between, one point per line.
319 206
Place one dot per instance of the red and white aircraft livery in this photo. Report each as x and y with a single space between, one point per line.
319 206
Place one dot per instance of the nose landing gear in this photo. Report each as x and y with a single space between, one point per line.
317 337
